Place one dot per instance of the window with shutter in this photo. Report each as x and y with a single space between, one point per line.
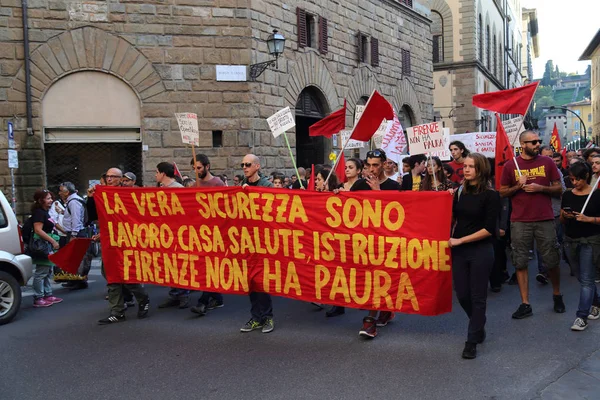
375 52
362 47
405 62
323 35
301 14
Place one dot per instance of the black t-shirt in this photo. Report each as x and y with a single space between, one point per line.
388 184
575 229
474 212
41 215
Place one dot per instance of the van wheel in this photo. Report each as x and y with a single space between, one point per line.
10 297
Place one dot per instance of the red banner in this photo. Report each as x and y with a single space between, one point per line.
384 250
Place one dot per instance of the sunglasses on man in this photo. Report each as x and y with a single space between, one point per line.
533 142
247 165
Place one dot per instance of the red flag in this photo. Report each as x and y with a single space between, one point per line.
504 150
177 173
330 125
564 157
555 139
340 169
376 110
311 183
69 257
511 101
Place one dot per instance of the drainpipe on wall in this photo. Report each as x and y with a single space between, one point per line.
27 69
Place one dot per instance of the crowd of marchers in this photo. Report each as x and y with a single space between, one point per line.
544 211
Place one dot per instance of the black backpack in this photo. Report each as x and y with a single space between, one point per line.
27 230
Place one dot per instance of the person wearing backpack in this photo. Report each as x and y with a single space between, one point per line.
74 223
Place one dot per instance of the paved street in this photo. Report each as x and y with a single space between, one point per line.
61 353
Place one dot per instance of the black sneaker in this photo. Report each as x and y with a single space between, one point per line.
523 311
559 306
579 325
470 351
112 319
212 304
143 308
251 325
200 309
541 278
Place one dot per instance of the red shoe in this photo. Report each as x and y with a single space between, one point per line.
53 299
369 328
41 303
384 318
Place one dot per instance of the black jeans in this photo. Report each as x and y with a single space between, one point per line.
262 306
497 274
471 267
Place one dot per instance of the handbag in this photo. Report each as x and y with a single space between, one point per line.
38 248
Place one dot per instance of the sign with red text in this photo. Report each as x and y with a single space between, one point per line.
394 141
445 154
426 138
188 126
352 249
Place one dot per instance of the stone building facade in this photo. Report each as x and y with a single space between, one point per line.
107 77
477 49
592 53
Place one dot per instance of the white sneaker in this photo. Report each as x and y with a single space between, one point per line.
594 313
579 325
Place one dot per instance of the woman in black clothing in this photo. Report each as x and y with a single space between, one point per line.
475 213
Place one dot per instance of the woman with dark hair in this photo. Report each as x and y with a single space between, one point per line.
448 170
475 212
582 240
435 178
320 178
353 170
42 229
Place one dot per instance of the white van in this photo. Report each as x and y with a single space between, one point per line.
16 268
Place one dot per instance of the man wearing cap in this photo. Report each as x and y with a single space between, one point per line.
128 180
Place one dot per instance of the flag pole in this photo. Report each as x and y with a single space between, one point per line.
293 160
195 169
590 195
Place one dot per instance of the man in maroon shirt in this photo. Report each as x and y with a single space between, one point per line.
203 167
530 190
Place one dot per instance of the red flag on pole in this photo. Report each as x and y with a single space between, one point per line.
564 158
555 139
340 168
311 183
376 110
177 173
511 101
330 125
504 150
69 257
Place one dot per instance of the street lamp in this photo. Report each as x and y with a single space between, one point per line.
275 45
577 115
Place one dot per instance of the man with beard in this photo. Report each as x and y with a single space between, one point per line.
531 190
459 152
206 179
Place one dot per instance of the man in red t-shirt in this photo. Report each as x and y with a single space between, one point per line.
530 190
459 152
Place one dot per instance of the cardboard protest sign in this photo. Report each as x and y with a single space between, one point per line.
511 126
352 144
444 154
188 126
425 138
281 121
394 141
352 249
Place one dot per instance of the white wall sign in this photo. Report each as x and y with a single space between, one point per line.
188 126
281 121
13 159
232 73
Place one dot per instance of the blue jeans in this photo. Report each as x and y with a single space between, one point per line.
41 281
586 273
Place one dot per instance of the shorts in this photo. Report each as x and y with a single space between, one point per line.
544 233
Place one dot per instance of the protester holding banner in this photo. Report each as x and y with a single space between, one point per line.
330 185
353 170
475 213
582 239
412 180
459 152
440 182
530 181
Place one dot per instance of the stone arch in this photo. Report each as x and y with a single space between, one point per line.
405 94
310 70
444 10
89 48
363 83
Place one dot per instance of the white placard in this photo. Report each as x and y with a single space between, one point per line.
511 126
232 73
478 142
358 111
444 155
425 138
188 126
352 144
394 141
13 159
281 121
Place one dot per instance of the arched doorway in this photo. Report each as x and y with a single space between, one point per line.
91 123
406 116
310 108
